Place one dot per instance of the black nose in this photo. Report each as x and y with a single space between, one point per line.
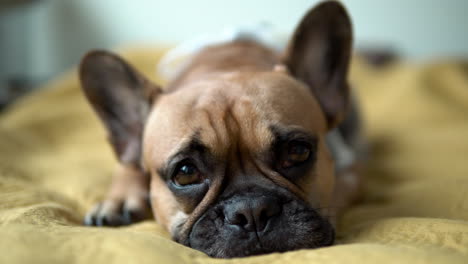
252 214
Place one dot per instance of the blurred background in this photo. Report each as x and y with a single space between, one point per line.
40 39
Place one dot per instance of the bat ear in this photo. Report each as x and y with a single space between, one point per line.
121 97
319 53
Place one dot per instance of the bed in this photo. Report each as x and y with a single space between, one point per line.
55 164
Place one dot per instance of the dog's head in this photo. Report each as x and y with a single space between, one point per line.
238 161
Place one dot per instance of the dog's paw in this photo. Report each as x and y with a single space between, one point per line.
117 212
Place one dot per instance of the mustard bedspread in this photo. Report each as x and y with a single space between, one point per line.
55 164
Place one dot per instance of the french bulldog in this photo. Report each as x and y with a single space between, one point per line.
247 151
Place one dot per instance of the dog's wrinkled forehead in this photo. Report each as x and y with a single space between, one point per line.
232 108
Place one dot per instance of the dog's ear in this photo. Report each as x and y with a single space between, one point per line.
121 97
319 53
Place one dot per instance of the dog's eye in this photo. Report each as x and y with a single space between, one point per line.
187 174
296 153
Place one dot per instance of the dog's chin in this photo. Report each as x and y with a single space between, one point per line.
298 227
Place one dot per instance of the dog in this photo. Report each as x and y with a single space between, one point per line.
246 152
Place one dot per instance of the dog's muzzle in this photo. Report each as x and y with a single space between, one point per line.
257 222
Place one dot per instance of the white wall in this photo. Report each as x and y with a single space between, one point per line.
60 31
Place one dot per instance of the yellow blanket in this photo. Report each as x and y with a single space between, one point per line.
55 163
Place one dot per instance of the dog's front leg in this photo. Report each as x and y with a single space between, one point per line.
126 202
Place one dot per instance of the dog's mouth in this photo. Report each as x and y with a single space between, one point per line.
228 231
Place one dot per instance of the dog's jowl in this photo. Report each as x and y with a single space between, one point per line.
246 151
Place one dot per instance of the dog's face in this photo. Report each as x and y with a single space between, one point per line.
238 161
243 169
